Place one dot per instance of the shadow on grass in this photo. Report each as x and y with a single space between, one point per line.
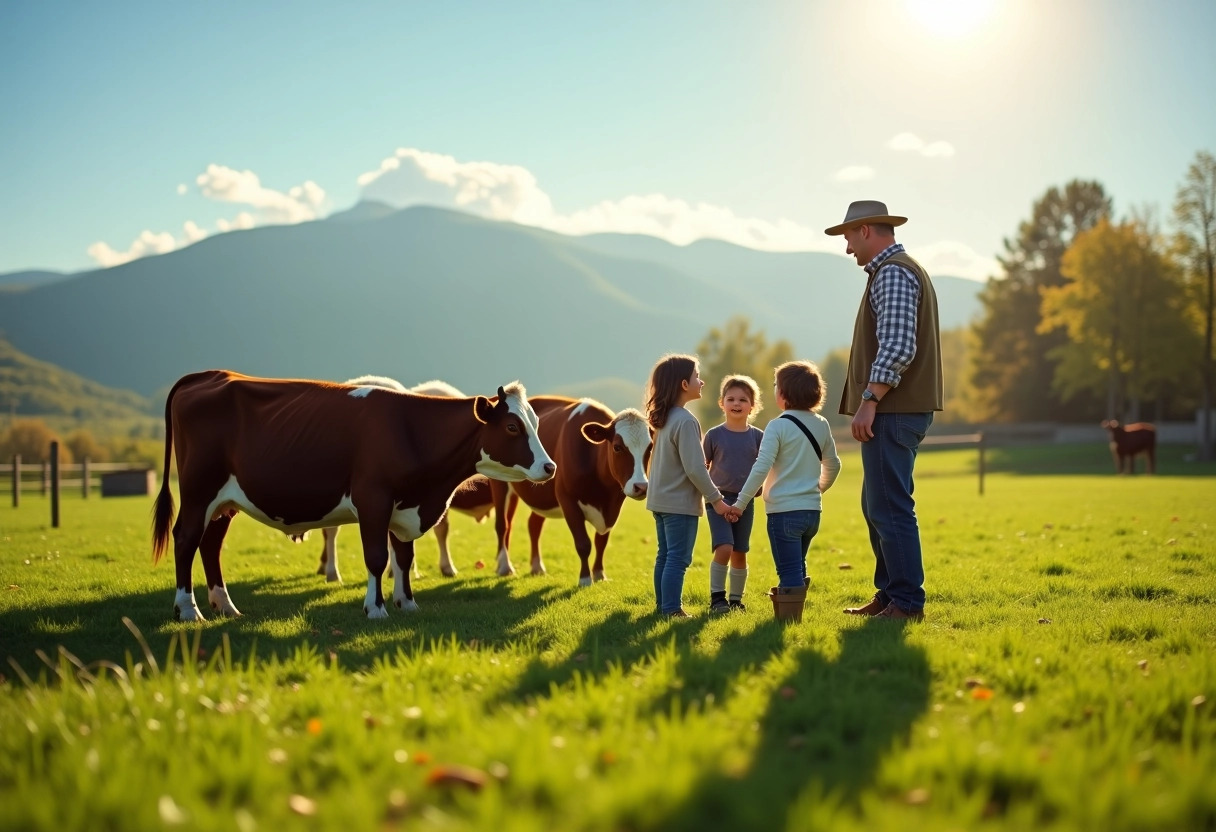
822 737
280 616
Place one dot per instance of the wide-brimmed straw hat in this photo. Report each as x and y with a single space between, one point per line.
864 212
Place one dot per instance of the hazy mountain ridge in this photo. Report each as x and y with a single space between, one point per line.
429 293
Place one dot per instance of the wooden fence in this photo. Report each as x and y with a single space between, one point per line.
48 478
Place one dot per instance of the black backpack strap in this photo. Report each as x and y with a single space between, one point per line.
806 432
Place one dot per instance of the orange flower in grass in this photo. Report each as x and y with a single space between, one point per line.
981 693
314 726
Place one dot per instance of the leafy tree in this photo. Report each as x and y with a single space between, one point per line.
735 349
1012 368
1195 215
31 438
1123 310
82 445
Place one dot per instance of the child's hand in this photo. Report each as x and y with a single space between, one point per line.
724 510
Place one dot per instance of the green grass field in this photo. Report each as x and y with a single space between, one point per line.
1065 677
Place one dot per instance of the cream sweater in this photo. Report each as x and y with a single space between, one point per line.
792 475
679 481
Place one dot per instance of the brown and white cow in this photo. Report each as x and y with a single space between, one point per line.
298 455
601 459
472 497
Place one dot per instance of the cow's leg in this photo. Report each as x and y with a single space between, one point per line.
187 534
209 550
536 523
446 567
329 555
401 562
505 503
373 531
601 543
1150 459
582 542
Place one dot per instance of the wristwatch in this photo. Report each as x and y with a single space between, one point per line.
867 395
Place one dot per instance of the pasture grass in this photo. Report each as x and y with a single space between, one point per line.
1064 677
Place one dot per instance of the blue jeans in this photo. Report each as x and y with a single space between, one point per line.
677 534
789 535
890 512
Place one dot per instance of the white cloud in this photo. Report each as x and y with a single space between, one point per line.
148 242
949 257
241 221
509 192
224 184
910 142
854 173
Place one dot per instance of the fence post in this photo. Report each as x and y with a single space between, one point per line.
46 477
84 478
981 443
16 480
54 485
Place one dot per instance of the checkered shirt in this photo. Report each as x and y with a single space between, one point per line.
894 297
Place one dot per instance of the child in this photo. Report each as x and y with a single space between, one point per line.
678 479
797 463
730 450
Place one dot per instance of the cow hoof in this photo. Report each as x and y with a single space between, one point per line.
406 604
333 579
227 612
506 571
321 568
585 581
448 571
598 576
187 614
375 612
538 569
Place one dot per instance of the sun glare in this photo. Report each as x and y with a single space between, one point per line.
950 18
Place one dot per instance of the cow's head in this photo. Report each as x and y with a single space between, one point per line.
510 449
630 438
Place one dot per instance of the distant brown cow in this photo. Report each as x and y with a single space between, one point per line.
1126 441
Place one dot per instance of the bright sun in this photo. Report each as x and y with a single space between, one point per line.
951 18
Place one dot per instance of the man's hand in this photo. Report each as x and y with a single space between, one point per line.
863 422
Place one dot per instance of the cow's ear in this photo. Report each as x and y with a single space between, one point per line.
596 433
482 409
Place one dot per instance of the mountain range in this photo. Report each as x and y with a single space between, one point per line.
423 293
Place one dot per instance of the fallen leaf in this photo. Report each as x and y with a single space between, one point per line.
481 564
844 566
452 775
301 805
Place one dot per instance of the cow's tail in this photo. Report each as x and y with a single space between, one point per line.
162 514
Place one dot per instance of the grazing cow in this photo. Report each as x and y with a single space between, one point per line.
299 455
472 497
601 459
1127 441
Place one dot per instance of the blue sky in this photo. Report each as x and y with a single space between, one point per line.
756 122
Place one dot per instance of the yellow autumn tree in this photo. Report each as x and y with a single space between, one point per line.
1123 308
